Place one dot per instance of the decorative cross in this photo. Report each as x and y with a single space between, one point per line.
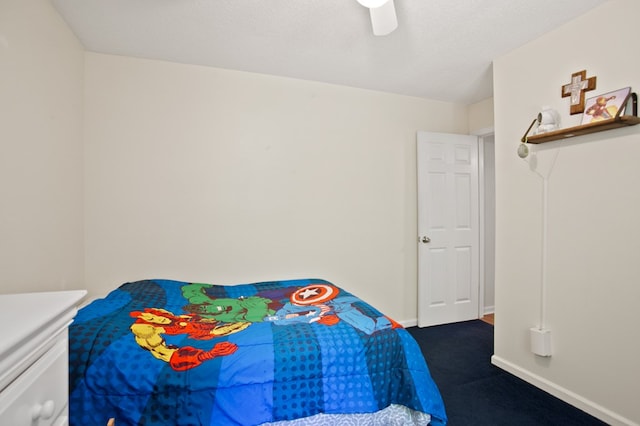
576 90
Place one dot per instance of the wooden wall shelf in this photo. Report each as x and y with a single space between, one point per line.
585 129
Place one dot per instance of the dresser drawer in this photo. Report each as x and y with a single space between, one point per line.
39 395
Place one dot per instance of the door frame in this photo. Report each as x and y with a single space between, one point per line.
482 134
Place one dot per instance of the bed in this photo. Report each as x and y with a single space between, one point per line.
296 352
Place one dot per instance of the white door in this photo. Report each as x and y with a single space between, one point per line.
448 233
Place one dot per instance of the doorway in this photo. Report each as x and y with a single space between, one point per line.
487 184
456 223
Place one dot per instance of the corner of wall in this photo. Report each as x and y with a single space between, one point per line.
480 117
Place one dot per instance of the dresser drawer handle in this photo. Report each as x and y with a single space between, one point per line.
44 410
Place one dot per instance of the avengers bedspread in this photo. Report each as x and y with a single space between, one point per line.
162 352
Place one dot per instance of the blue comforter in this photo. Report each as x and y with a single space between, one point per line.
162 352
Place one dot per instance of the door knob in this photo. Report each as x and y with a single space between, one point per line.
426 240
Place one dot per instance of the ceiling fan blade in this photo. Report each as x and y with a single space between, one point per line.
372 3
384 19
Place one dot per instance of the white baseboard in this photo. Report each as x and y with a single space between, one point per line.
566 395
488 310
414 322
408 323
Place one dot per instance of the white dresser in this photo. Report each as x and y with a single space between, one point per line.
34 357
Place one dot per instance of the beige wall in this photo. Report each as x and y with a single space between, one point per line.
41 219
203 174
593 239
481 117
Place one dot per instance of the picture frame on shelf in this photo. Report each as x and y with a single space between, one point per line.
605 106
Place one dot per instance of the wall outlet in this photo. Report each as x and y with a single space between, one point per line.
540 341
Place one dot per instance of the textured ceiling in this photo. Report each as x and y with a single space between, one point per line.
442 49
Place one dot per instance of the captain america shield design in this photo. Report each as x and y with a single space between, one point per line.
315 294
